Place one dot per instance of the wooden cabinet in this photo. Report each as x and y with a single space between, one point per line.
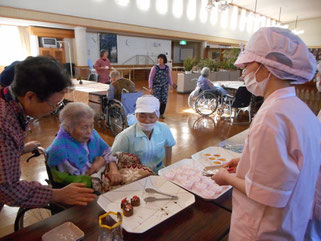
57 53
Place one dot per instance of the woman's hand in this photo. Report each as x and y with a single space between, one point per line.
151 91
30 146
231 165
221 178
98 163
114 175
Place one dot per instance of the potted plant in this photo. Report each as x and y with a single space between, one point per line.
188 64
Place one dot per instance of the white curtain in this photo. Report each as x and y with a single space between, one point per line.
14 44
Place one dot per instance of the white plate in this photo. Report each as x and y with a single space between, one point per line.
196 165
212 150
147 215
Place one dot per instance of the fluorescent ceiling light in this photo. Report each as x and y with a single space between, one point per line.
191 10
177 8
143 4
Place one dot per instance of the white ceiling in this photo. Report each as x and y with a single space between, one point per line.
304 9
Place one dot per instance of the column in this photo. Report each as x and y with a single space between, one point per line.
203 47
81 46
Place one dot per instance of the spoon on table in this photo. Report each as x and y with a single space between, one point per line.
151 190
153 199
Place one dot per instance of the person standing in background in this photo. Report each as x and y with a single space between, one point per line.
103 67
159 80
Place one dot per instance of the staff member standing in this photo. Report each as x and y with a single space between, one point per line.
159 80
38 89
103 67
277 172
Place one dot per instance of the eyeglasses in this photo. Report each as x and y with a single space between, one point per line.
57 105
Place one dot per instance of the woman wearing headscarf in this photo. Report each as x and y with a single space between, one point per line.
277 173
159 80
148 139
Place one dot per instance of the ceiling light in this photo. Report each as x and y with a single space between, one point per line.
203 12
191 10
234 15
177 8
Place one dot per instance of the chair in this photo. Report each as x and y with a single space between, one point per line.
115 112
93 76
28 216
240 101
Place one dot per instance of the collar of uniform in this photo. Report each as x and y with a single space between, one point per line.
281 93
140 133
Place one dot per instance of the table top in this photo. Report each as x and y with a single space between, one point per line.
89 86
203 220
233 84
200 221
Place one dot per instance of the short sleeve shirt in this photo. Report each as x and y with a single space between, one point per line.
150 152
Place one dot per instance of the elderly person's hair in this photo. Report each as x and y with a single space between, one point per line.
71 114
205 72
42 75
114 74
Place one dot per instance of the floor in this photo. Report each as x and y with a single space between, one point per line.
191 132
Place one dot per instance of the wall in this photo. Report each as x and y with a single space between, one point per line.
131 50
112 11
312 31
189 45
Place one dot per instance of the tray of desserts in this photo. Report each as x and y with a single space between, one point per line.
146 202
192 175
215 155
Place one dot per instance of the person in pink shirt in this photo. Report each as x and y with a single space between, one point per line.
102 67
276 175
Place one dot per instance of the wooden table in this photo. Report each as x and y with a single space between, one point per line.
203 220
81 92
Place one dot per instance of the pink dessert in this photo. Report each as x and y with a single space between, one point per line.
200 186
170 175
188 184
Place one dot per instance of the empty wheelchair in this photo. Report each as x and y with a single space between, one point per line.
29 216
115 112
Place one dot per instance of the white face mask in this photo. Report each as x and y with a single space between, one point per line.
256 88
147 127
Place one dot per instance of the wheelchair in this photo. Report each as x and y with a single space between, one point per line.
28 216
114 112
205 102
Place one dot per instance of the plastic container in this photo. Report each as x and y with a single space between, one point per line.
109 229
66 231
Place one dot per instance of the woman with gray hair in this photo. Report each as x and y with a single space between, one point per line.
203 83
78 151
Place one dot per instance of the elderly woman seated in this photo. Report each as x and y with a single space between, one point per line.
203 83
148 139
118 84
78 153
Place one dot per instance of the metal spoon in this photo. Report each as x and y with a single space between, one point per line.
153 199
151 190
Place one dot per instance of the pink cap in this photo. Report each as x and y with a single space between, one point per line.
283 53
